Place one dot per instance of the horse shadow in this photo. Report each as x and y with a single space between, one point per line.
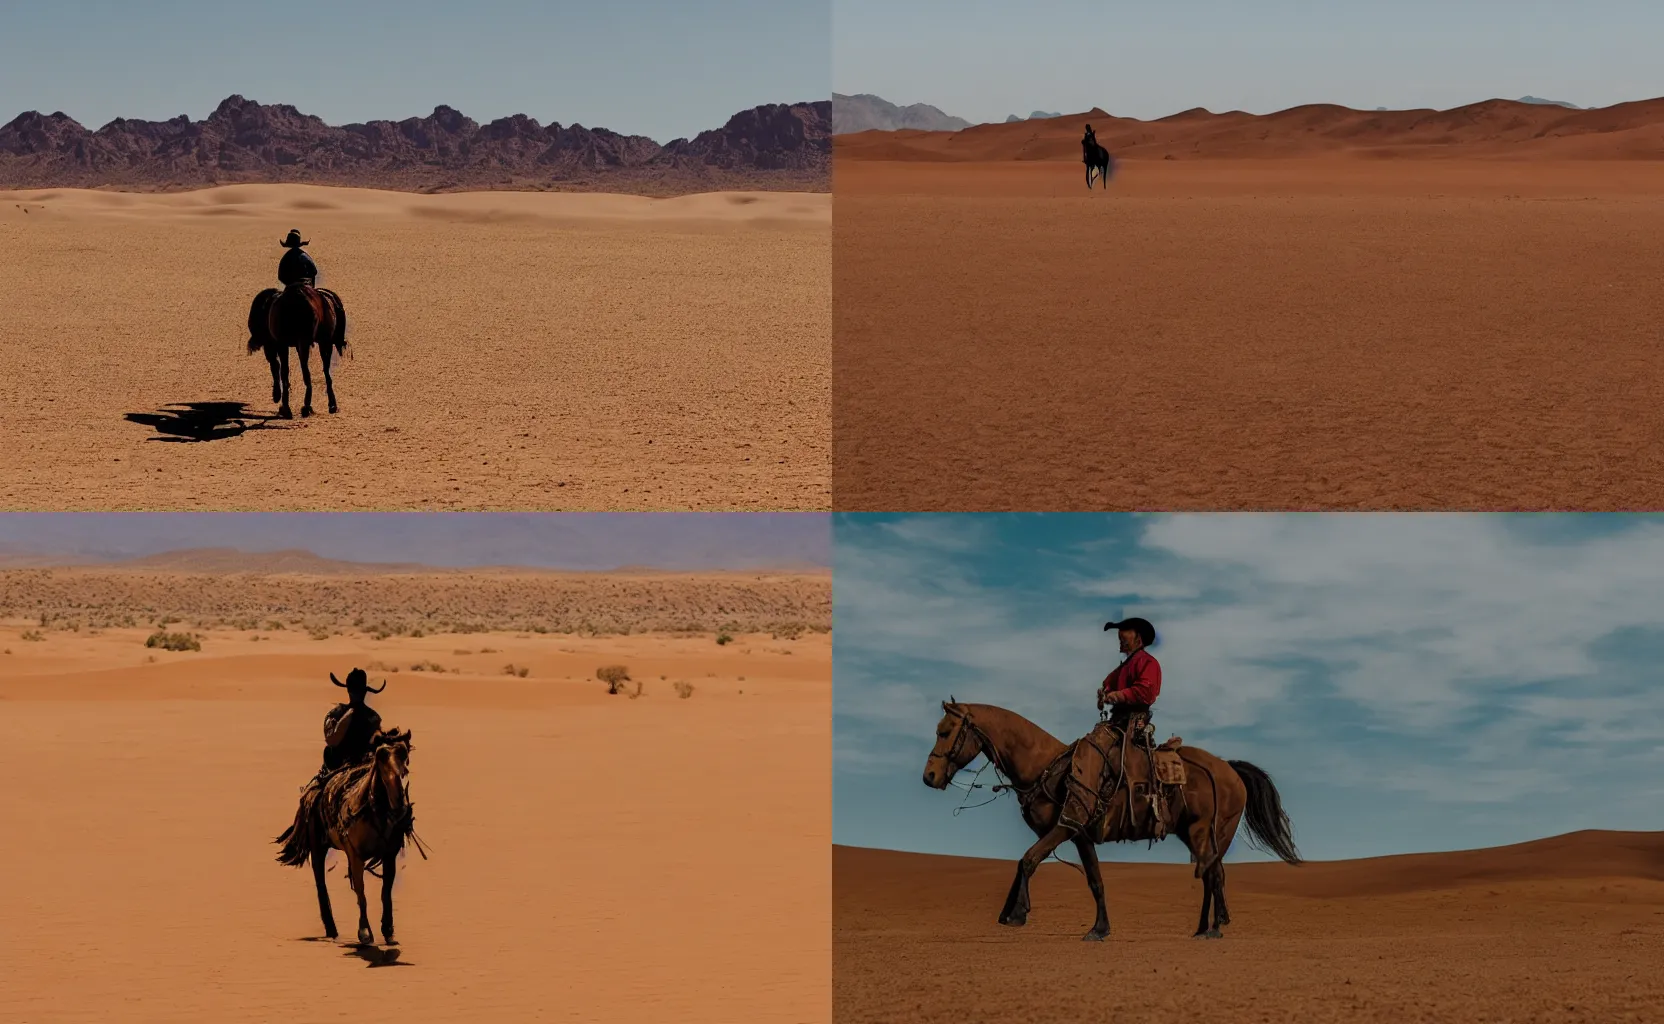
376 956
202 421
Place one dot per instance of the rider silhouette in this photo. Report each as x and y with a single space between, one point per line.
1090 136
1131 687
349 728
296 266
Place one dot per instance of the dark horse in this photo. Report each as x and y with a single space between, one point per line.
1097 161
364 811
297 317
1218 795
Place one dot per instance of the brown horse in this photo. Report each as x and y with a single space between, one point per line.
297 317
1218 795
364 811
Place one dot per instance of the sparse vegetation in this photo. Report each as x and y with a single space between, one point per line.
614 676
512 670
633 694
723 639
319 633
173 641
684 689
427 666
33 635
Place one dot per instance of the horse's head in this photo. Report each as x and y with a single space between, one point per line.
957 745
392 754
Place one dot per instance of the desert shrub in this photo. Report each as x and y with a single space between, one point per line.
790 631
613 675
318 633
512 670
684 689
723 639
33 634
173 641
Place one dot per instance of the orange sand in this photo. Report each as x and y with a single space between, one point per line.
594 858
1568 929
1315 333
528 351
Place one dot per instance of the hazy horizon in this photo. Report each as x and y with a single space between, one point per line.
985 60
569 541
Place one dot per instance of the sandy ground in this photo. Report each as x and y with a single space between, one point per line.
508 351
1569 929
1324 333
594 858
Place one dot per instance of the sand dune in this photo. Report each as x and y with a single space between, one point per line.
1566 929
508 351
1318 333
1494 129
592 858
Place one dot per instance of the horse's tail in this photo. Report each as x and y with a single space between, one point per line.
297 840
339 340
1268 825
258 331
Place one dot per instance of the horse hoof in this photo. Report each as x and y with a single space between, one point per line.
1094 936
1211 933
285 414
1013 922
333 408
366 937
305 411
387 939
332 934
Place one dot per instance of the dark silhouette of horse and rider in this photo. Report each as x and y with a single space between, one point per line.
298 316
1097 159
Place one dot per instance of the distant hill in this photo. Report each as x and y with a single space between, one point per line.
1493 129
1038 115
776 146
1549 103
865 112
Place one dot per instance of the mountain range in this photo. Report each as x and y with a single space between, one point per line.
865 112
770 147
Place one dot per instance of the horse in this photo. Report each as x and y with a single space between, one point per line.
364 811
297 317
1218 795
1097 161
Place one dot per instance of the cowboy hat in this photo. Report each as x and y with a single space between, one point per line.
293 241
1145 631
357 680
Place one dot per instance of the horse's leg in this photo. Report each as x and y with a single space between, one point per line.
318 855
306 377
325 351
277 375
1028 866
1095 879
1198 838
1011 897
283 411
1221 916
355 871
388 868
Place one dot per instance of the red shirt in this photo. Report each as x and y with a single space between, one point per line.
1138 679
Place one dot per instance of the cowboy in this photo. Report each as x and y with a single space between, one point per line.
1132 686
1091 136
296 266
350 728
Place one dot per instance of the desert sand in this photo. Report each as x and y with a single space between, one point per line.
527 351
593 857
1316 310
1567 929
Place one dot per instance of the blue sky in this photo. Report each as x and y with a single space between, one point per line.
565 540
661 68
1413 682
985 59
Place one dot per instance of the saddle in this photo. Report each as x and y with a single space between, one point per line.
1121 786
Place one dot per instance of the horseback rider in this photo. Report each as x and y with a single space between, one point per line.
1091 136
296 266
350 728
1131 687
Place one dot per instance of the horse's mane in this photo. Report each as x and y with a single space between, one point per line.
388 737
1020 718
